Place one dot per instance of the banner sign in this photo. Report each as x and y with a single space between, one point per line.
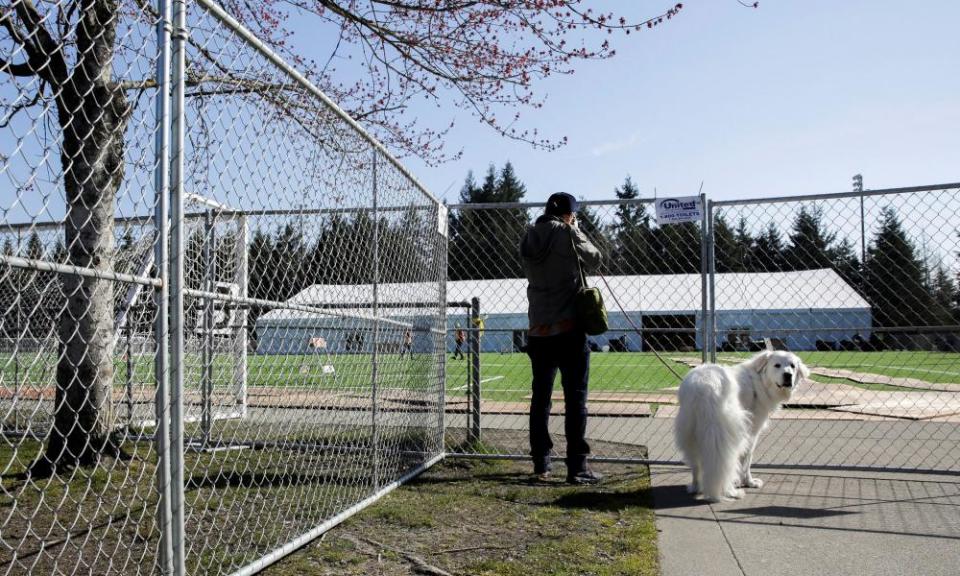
442 219
677 210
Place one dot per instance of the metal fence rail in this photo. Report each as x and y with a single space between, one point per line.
209 401
862 286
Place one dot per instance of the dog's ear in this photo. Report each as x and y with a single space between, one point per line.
804 371
759 362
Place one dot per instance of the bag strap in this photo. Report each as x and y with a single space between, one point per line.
573 244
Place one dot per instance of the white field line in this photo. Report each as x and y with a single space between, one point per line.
898 368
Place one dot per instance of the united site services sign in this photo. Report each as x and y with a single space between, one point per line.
677 210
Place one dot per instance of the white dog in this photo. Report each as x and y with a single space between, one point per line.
723 409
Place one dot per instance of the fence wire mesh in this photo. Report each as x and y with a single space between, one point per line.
864 289
305 368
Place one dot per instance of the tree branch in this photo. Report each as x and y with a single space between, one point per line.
23 69
43 52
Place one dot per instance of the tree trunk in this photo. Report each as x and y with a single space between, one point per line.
93 113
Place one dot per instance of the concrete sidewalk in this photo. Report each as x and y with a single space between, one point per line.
810 523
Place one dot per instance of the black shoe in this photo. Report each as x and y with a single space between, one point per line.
585 477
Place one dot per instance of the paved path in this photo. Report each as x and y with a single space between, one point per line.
810 523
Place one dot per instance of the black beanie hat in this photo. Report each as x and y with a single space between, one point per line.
561 203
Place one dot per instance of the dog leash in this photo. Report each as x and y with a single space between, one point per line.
634 326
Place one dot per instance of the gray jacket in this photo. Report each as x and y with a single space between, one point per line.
551 268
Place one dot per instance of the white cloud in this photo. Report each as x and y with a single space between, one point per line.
613 146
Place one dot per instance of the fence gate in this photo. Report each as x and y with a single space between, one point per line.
862 286
654 273
224 337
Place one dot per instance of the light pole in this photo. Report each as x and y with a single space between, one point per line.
858 187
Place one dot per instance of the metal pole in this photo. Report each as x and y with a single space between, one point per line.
704 269
129 330
858 187
206 379
712 261
442 324
161 292
475 428
19 332
177 285
376 330
863 234
240 331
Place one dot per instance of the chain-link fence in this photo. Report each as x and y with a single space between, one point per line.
209 402
864 287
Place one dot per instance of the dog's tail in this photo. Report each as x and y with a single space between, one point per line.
720 427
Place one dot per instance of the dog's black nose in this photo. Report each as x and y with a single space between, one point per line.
787 380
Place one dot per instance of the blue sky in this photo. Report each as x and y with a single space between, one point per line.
791 98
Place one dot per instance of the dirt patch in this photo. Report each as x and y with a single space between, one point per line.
471 517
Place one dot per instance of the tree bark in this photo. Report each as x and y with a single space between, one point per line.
93 112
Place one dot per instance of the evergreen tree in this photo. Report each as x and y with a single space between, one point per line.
10 316
288 262
843 259
744 245
677 248
894 277
767 254
944 296
259 277
402 254
31 284
729 251
810 244
632 238
511 225
484 243
459 246
590 225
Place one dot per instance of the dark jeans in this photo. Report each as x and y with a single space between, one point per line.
570 354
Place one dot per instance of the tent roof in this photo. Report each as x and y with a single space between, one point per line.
821 289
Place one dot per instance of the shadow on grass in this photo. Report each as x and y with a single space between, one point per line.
598 501
234 479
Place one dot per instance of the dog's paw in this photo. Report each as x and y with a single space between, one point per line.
752 483
735 494
692 488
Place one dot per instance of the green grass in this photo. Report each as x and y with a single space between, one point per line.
240 503
493 519
504 377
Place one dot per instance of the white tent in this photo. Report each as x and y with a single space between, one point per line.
798 307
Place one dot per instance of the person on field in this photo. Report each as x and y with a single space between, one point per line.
407 344
459 338
550 250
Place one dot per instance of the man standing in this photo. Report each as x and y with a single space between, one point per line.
459 338
550 250
407 344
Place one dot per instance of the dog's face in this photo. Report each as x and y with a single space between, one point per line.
783 371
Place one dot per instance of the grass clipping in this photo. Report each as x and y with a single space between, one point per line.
483 518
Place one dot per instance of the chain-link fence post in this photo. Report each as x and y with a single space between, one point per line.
240 334
177 285
712 271
210 285
161 293
16 357
128 388
704 273
374 412
474 383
